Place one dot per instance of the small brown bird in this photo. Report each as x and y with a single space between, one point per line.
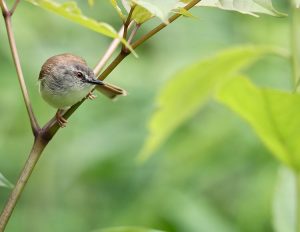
66 79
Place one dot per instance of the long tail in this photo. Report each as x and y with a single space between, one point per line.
111 91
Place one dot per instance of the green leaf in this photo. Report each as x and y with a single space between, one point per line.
4 182
158 8
273 114
190 88
284 203
147 9
141 15
118 9
71 11
243 6
127 229
184 12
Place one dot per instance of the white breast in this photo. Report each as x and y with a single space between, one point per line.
63 100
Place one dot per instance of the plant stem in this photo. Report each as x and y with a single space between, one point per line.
14 7
3 7
36 151
295 46
126 25
133 33
162 25
109 52
7 18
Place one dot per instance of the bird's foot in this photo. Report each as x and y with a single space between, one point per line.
91 96
62 122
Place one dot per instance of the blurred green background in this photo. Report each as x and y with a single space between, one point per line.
212 175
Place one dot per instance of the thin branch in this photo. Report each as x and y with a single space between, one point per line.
133 33
4 7
14 7
126 26
162 26
7 17
36 151
109 52
113 65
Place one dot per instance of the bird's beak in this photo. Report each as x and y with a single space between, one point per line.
95 81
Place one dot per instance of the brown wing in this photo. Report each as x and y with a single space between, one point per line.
59 60
110 90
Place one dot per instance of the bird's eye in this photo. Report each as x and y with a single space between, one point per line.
79 74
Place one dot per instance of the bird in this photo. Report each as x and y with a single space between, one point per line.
66 79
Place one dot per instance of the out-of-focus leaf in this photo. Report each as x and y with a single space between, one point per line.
91 2
273 114
158 8
127 229
197 214
284 204
118 9
189 89
71 11
4 182
246 7
126 4
243 6
297 2
184 12
141 15
146 9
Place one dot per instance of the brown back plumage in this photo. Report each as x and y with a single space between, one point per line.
59 59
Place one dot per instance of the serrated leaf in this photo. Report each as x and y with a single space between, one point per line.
128 229
244 6
251 7
118 9
4 182
158 8
285 201
189 89
71 11
272 114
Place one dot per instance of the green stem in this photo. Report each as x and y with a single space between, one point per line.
36 151
14 51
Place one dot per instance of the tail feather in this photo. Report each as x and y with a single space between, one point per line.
111 91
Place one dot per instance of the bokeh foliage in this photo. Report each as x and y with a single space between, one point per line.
211 175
